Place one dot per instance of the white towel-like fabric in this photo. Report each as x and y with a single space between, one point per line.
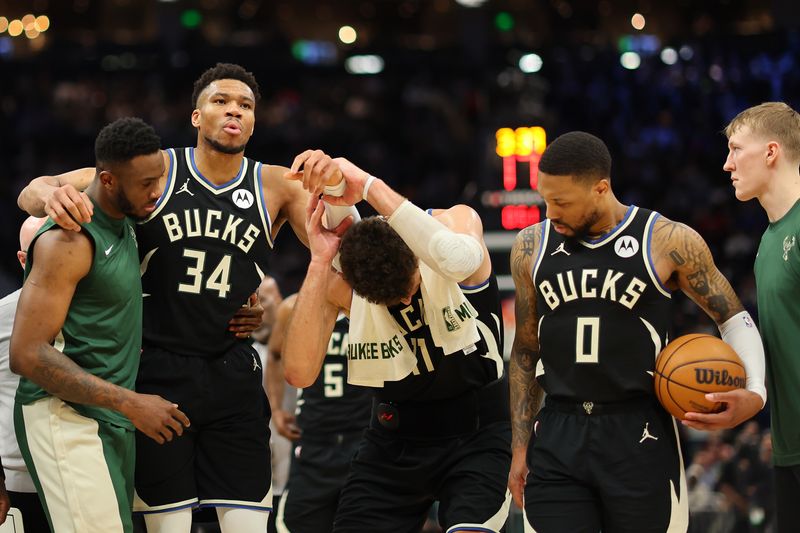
378 351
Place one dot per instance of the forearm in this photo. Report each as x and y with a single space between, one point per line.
33 197
275 382
383 198
526 395
309 328
60 376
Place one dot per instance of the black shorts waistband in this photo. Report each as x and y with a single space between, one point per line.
450 417
589 408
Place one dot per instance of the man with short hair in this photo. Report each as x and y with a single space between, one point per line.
426 334
763 160
204 251
76 343
593 292
18 481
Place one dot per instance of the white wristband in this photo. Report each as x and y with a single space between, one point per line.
369 181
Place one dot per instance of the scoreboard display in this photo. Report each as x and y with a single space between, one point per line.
518 204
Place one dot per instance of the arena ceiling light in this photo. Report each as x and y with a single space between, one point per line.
364 64
470 3
530 63
630 60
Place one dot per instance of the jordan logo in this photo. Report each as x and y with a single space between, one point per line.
560 249
185 188
646 433
256 366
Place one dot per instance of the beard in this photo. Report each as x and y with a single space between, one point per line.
582 231
219 147
125 205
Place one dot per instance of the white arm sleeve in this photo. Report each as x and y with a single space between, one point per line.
454 255
334 214
741 333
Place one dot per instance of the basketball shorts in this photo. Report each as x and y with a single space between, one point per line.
787 496
318 472
398 473
222 459
610 467
82 467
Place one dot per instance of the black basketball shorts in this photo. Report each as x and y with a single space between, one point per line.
611 467
223 458
320 466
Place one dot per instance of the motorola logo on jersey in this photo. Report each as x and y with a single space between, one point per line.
242 198
626 246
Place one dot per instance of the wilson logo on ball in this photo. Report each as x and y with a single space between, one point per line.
708 376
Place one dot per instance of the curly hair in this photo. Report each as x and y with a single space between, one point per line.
224 71
124 139
578 154
376 261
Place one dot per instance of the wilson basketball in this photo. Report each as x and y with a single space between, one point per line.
690 367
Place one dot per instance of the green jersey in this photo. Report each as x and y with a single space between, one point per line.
777 270
102 332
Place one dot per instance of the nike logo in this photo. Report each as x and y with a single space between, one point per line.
109 249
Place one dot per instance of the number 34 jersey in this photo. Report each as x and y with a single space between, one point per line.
203 252
603 312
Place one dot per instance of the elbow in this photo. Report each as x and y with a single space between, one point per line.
17 362
296 377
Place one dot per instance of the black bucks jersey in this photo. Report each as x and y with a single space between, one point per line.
603 312
203 251
330 404
438 376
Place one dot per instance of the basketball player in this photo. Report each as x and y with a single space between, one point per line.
425 333
76 343
330 418
18 481
763 159
203 250
593 290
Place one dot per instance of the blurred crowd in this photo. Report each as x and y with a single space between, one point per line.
427 125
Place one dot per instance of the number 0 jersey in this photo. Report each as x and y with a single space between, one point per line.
203 253
603 312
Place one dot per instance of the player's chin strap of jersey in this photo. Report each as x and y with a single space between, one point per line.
741 334
334 214
453 255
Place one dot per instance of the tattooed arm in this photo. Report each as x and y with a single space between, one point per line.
684 260
63 258
526 393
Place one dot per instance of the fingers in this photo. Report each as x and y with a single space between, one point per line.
516 491
313 200
315 221
69 208
315 169
343 226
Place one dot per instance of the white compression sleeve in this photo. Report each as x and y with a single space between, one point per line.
741 333
334 214
453 255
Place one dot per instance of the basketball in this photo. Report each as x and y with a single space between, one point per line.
691 366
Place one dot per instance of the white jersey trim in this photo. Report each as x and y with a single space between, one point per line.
215 189
647 256
168 188
493 524
262 204
611 235
542 248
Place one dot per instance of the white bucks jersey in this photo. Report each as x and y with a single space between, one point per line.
603 312
204 251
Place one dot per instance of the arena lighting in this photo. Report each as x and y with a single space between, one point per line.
530 63
669 56
686 52
28 21
364 64
503 21
630 60
3 24
637 21
471 3
347 34
42 23
15 27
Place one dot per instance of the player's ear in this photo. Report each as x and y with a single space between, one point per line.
772 152
196 118
601 186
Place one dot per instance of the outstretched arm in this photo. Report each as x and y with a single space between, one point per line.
62 259
321 296
275 382
60 197
526 394
683 253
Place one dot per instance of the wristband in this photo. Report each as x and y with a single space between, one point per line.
369 181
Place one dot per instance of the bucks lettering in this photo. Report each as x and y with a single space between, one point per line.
210 223
610 284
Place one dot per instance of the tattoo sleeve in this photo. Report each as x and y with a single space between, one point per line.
525 390
695 271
